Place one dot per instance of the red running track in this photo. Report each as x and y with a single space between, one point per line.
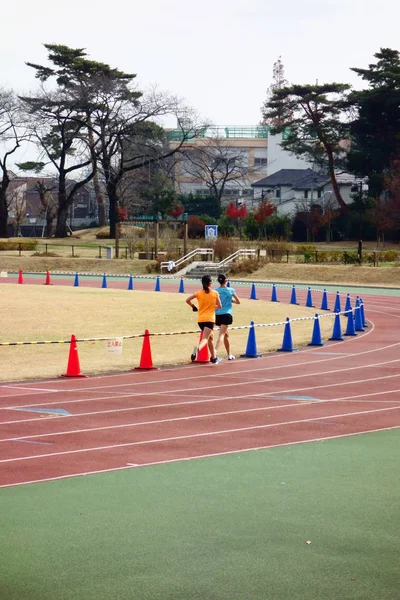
66 428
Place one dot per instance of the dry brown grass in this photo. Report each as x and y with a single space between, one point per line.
54 313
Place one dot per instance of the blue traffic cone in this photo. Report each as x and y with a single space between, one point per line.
274 297
316 339
324 304
76 280
287 343
181 286
350 329
365 324
104 283
358 323
337 303
348 303
130 284
309 303
228 284
293 299
251 348
337 330
253 295
157 288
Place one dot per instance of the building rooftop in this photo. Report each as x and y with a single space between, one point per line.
299 179
224 131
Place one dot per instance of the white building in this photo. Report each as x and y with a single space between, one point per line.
299 189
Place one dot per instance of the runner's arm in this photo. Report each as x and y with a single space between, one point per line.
235 299
189 300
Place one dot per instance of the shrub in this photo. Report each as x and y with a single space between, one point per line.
52 254
247 266
335 256
223 247
195 227
208 220
388 256
103 235
18 244
154 267
322 257
225 226
350 258
275 249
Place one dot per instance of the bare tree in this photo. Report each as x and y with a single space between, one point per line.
215 163
60 132
12 134
16 202
126 125
48 203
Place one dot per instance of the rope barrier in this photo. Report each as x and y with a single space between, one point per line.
167 333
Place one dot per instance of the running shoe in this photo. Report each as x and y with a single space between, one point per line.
216 360
194 354
231 357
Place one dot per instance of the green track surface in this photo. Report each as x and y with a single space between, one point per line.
223 528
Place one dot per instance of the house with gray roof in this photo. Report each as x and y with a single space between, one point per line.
296 189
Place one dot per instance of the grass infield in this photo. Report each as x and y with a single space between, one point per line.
55 312
226 528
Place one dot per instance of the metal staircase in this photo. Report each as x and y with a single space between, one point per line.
196 270
209 252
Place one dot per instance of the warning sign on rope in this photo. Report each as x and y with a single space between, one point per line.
114 346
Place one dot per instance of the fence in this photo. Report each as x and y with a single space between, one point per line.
276 255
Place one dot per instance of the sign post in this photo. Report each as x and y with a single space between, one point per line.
211 232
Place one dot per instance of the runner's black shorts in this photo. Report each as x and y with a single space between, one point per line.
206 324
226 319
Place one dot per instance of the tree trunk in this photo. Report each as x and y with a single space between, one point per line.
3 205
334 182
3 215
101 207
62 215
96 184
112 212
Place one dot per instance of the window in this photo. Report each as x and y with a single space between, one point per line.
260 162
278 192
306 194
319 195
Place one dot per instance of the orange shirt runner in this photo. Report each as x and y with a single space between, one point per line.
207 306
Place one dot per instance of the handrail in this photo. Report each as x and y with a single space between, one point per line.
192 254
228 259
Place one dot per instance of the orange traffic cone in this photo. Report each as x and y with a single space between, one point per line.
203 355
20 277
73 368
146 361
48 282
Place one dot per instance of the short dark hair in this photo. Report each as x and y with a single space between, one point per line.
221 278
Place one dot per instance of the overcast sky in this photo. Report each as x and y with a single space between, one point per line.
217 54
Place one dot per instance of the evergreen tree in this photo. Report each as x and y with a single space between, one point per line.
311 120
375 132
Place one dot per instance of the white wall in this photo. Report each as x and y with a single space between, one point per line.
282 159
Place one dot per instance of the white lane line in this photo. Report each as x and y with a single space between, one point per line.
198 457
266 395
224 385
197 435
209 375
15 387
192 417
